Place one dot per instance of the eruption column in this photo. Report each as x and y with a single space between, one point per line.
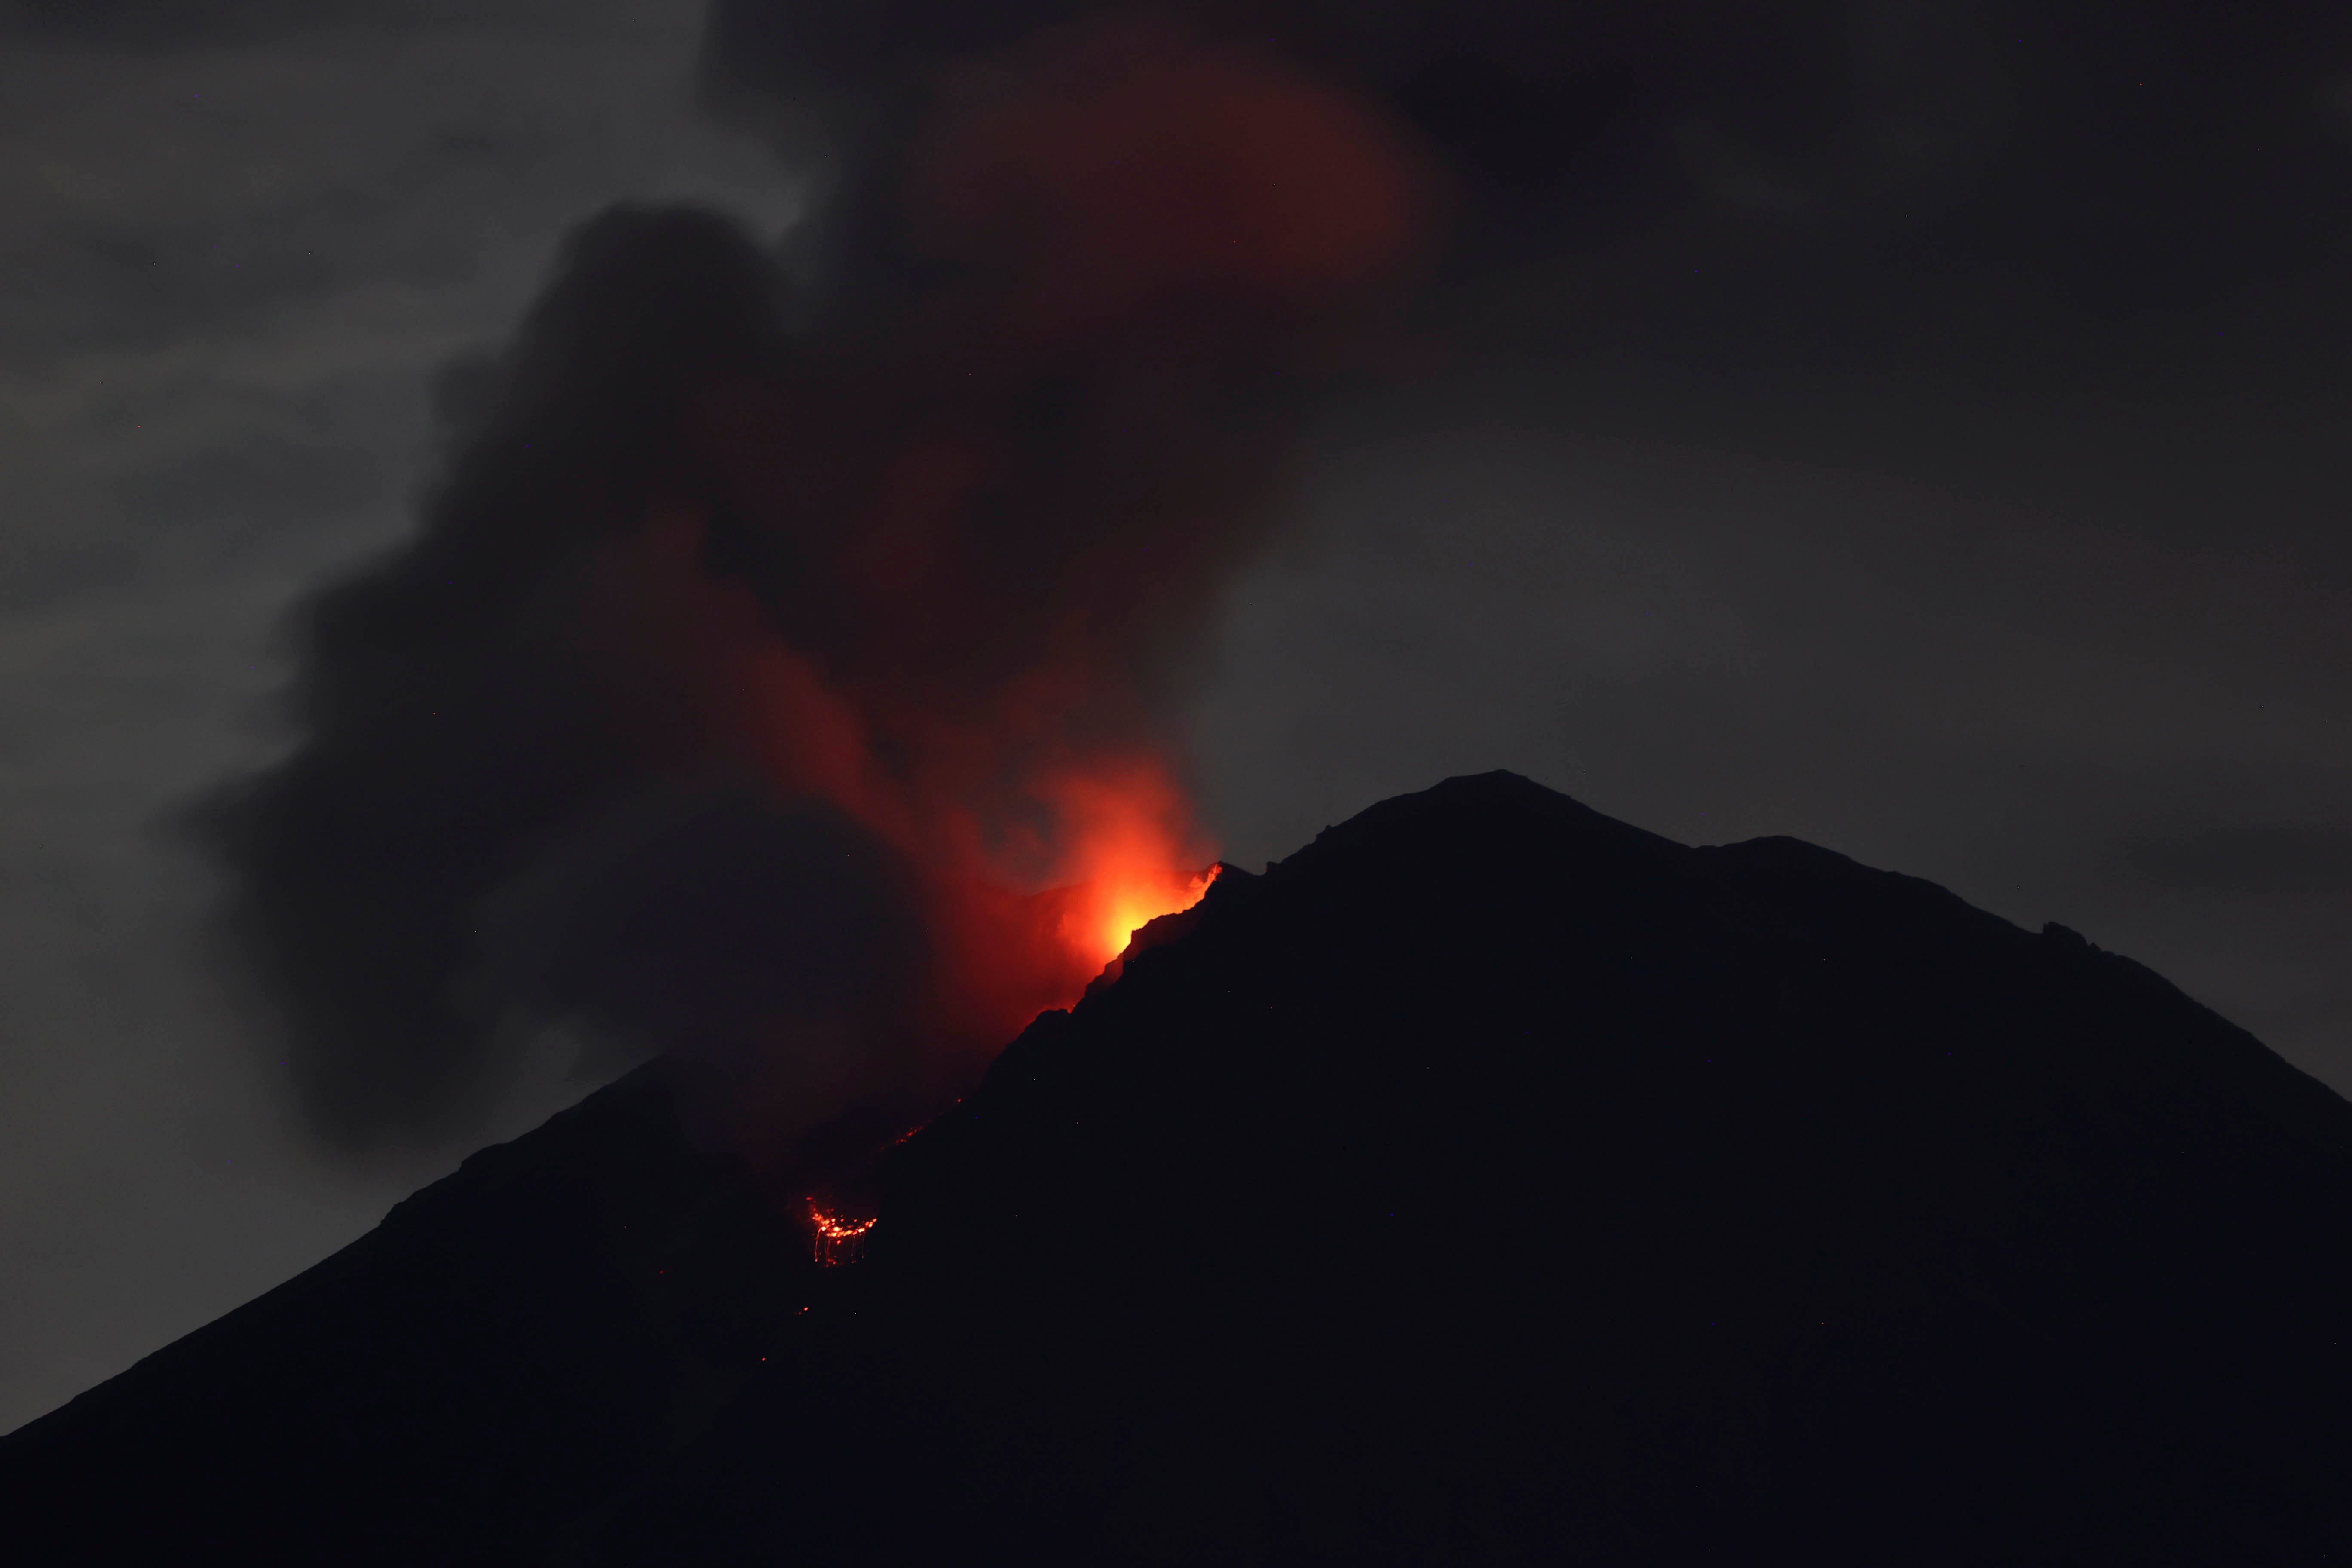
754 665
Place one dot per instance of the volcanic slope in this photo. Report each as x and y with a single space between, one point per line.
1490 1180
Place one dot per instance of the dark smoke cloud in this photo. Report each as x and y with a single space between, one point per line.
449 724
2124 153
2239 860
197 24
760 650
780 616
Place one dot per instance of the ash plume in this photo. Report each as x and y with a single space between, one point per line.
784 621
767 645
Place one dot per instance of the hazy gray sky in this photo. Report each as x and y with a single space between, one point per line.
1989 583
231 262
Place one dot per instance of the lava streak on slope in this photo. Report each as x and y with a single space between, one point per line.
837 1240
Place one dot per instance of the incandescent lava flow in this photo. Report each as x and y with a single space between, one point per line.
838 1240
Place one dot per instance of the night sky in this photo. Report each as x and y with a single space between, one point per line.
1920 426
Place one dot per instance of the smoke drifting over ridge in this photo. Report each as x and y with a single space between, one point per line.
777 623
761 652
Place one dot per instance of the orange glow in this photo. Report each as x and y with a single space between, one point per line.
966 541
1137 900
1125 829
986 807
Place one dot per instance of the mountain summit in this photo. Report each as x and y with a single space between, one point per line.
1489 1181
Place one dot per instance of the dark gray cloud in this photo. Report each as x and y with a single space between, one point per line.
156 196
2098 156
191 439
929 550
270 483
2250 859
164 25
454 719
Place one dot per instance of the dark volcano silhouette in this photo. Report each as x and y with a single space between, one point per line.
1490 1180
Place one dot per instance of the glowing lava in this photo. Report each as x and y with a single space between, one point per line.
837 1240
1126 829
1129 904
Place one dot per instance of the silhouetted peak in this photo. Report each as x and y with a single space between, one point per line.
1490 1180
1475 811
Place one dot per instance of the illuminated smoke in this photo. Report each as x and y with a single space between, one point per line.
750 675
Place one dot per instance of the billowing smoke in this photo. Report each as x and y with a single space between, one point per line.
767 645
782 623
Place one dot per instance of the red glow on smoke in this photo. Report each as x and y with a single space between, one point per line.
1126 848
1109 165
979 526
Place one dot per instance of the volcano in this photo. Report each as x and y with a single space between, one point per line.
1489 1181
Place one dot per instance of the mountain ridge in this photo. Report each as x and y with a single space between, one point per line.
1488 1179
